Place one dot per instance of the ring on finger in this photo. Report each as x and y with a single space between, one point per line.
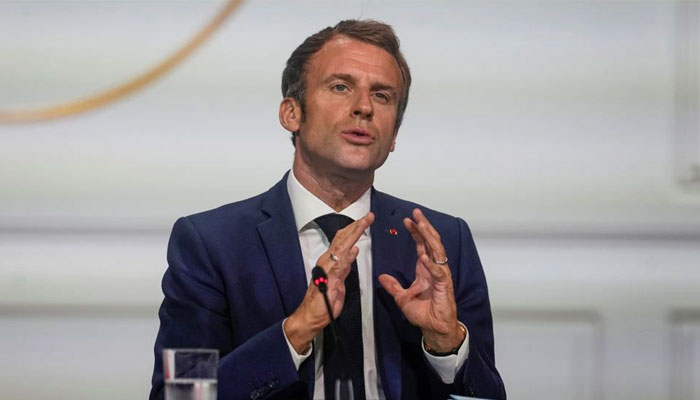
334 257
442 262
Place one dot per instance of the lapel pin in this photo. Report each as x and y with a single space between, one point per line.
393 232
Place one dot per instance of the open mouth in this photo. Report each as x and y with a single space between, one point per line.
359 133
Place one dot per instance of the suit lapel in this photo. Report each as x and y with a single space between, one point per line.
386 253
281 241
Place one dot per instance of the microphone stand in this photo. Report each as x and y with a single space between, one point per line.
343 385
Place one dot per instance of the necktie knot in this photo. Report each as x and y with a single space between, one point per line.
330 224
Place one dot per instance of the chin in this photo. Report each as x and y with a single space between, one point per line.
354 169
356 164
359 161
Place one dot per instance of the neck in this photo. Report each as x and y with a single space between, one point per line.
336 190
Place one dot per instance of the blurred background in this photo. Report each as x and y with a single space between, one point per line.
566 133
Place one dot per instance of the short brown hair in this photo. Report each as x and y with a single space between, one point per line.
373 32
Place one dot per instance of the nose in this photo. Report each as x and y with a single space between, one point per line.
363 107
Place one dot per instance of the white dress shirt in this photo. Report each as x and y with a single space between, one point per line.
313 241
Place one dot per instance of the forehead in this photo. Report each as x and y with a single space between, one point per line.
344 55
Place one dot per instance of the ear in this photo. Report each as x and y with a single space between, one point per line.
393 141
290 114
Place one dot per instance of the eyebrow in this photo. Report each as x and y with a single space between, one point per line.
351 79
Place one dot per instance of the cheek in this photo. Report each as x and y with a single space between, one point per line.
323 118
387 126
386 117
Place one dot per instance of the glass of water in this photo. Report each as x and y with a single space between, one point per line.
190 374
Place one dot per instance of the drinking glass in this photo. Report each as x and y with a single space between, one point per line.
190 374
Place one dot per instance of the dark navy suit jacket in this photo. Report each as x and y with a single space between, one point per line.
237 271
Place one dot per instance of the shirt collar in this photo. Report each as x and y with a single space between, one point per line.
307 207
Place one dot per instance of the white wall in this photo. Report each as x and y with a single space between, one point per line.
568 130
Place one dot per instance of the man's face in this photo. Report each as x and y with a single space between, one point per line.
352 94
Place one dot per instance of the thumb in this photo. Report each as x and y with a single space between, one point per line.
390 284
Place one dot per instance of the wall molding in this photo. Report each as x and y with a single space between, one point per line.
90 311
661 233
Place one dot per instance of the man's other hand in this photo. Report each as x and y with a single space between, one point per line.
429 303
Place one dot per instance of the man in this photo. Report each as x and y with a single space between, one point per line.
238 276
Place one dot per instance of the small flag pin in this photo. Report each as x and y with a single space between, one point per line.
393 232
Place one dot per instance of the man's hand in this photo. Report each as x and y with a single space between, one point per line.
429 303
309 319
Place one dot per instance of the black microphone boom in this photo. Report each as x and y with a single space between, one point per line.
320 279
343 387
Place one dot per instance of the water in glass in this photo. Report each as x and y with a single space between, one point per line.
190 389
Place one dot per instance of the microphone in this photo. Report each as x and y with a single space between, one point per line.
343 386
320 279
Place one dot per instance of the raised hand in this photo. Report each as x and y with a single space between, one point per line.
311 316
429 302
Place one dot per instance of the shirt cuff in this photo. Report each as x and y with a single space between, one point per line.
296 357
447 366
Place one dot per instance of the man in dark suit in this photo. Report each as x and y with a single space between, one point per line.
405 283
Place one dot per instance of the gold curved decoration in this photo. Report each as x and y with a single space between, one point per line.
119 91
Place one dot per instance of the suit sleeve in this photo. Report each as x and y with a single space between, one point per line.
195 314
478 376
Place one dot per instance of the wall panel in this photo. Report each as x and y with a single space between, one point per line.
550 355
685 354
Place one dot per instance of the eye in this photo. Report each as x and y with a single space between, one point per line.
339 87
382 96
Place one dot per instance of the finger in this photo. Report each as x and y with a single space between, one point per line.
328 264
338 301
354 230
413 230
348 236
338 269
422 271
422 220
425 219
438 272
341 269
339 292
430 235
352 255
432 246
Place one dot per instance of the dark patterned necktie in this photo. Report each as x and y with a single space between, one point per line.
349 324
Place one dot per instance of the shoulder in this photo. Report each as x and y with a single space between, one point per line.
443 222
240 217
244 212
